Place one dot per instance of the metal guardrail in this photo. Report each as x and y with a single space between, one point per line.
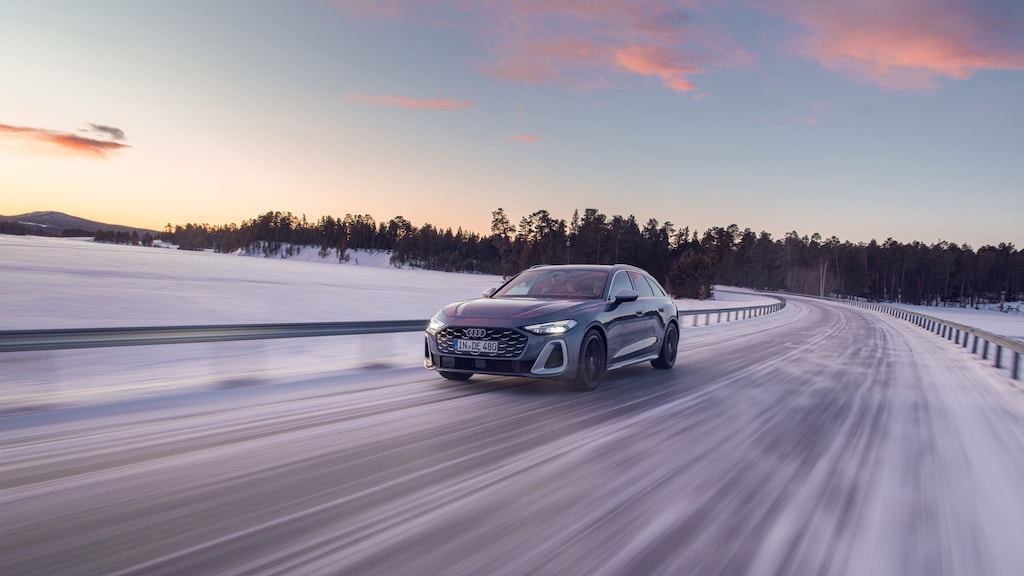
740 313
69 339
75 338
959 334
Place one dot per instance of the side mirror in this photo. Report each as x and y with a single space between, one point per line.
489 292
626 295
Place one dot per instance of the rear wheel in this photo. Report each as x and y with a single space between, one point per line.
592 362
669 349
455 375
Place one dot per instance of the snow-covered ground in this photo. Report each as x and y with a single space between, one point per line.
77 283
1009 323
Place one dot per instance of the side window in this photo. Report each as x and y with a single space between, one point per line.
620 281
642 287
658 290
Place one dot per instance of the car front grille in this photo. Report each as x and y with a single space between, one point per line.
510 342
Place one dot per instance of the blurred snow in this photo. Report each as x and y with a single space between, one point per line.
77 283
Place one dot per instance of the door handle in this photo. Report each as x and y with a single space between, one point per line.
639 313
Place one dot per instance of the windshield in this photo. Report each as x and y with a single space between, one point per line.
556 284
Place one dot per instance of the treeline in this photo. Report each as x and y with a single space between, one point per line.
19 229
122 237
111 236
688 263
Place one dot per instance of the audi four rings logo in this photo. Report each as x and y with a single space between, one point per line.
475 332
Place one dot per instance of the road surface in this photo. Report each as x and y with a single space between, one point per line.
822 439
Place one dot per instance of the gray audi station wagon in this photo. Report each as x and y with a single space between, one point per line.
571 323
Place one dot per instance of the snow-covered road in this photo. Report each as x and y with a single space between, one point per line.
822 439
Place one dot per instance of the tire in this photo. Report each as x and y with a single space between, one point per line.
461 376
591 362
669 349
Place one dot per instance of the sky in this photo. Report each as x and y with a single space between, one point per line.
864 120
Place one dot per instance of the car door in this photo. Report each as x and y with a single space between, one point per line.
664 306
653 310
627 326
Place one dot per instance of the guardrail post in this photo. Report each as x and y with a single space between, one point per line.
984 351
1016 366
999 356
974 349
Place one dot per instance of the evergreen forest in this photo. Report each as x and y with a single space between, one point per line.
687 262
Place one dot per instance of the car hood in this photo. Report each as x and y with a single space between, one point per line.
523 308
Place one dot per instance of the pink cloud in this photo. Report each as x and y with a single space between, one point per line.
910 44
582 43
656 61
65 141
524 138
403 102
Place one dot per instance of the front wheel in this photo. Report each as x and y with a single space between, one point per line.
669 349
592 362
455 375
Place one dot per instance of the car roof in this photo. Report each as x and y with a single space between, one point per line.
601 267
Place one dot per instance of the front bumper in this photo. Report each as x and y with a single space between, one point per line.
542 357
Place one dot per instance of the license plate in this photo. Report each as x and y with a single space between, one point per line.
487 346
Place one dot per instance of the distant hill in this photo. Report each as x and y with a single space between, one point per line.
55 223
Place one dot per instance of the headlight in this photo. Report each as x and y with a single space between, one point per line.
559 327
436 324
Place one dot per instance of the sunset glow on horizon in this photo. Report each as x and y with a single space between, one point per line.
862 120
